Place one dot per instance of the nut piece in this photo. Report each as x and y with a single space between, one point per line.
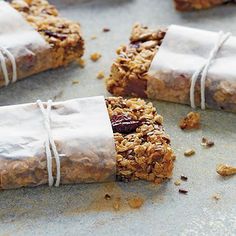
225 170
177 182
135 202
207 143
93 37
189 152
95 56
100 75
191 121
75 82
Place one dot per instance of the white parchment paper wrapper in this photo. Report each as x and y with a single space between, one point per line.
26 44
183 51
82 132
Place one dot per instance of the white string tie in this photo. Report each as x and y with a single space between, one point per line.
7 53
50 145
203 70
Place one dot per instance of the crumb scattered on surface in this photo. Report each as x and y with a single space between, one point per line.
135 202
189 152
216 197
191 121
100 75
75 82
95 56
184 178
58 95
81 62
207 143
106 30
183 191
177 182
225 170
93 37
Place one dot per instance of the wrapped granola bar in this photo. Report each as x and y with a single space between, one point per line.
188 5
33 38
161 65
81 141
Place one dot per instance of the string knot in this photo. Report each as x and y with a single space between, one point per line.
50 146
204 68
4 52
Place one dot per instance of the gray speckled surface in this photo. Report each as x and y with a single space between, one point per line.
81 209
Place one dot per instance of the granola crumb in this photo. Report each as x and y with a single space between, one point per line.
189 152
207 143
95 56
116 204
81 62
191 121
183 177
216 197
177 182
225 170
136 202
58 95
100 75
75 82
105 30
107 196
183 191
93 37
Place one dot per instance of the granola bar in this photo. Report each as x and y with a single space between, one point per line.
143 151
129 75
189 5
63 37
129 71
143 148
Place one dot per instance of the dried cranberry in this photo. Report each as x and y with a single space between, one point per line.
183 191
55 34
184 178
124 124
106 30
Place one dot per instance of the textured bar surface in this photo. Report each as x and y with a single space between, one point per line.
63 36
189 5
143 148
129 71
